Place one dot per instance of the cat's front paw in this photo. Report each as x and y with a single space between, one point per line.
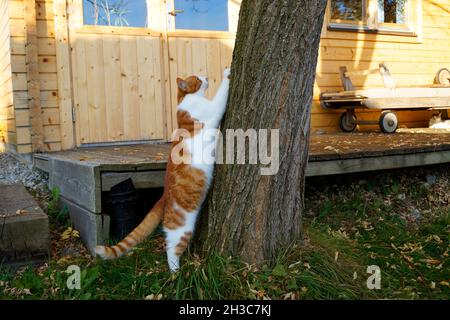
227 73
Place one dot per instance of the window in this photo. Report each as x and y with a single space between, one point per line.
118 13
374 15
201 15
392 11
349 11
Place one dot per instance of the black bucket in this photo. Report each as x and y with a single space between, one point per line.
125 213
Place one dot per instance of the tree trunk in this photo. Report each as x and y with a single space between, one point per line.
246 214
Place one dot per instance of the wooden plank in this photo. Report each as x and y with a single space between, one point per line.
18 45
321 168
407 103
163 70
161 88
46 46
15 9
49 99
117 31
18 63
157 15
52 146
146 88
24 136
184 57
47 64
113 83
201 34
33 81
45 29
50 116
403 92
75 8
25 148
226 53
17 27
52 133
199 63
141 179
129 68
48 81
81 92
173 74
19 81
45 9
233 14
22 117
213 66
96 88
63 64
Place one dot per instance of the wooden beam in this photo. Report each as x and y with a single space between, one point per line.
63 64
33 87
141 179
340 166
127 31
75 22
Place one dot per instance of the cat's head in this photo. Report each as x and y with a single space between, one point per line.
192 84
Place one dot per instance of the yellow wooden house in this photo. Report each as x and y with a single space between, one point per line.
87 72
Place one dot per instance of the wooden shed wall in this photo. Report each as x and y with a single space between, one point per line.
46 56
7 118
411 62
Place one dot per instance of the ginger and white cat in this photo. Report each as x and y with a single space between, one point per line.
186 184
436 122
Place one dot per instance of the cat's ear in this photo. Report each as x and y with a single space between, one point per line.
182 84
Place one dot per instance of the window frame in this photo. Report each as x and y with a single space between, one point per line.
370 23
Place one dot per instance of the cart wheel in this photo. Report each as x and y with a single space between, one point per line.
443 76
388 122
347 122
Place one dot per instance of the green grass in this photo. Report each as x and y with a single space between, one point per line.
392 219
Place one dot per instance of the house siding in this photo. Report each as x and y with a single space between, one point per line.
8 137
47 75
411 62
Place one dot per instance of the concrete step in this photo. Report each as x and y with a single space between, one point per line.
24 228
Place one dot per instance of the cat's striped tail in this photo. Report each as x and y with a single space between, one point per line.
143 230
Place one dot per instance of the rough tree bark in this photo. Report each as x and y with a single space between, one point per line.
248 215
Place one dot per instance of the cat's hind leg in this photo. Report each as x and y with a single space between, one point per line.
179 228
177 242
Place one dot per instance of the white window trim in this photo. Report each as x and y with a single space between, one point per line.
370 24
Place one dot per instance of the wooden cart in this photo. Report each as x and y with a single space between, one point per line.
387 99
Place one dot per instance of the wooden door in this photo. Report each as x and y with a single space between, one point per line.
202 51
118 82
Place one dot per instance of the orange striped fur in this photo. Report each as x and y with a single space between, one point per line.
185 185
